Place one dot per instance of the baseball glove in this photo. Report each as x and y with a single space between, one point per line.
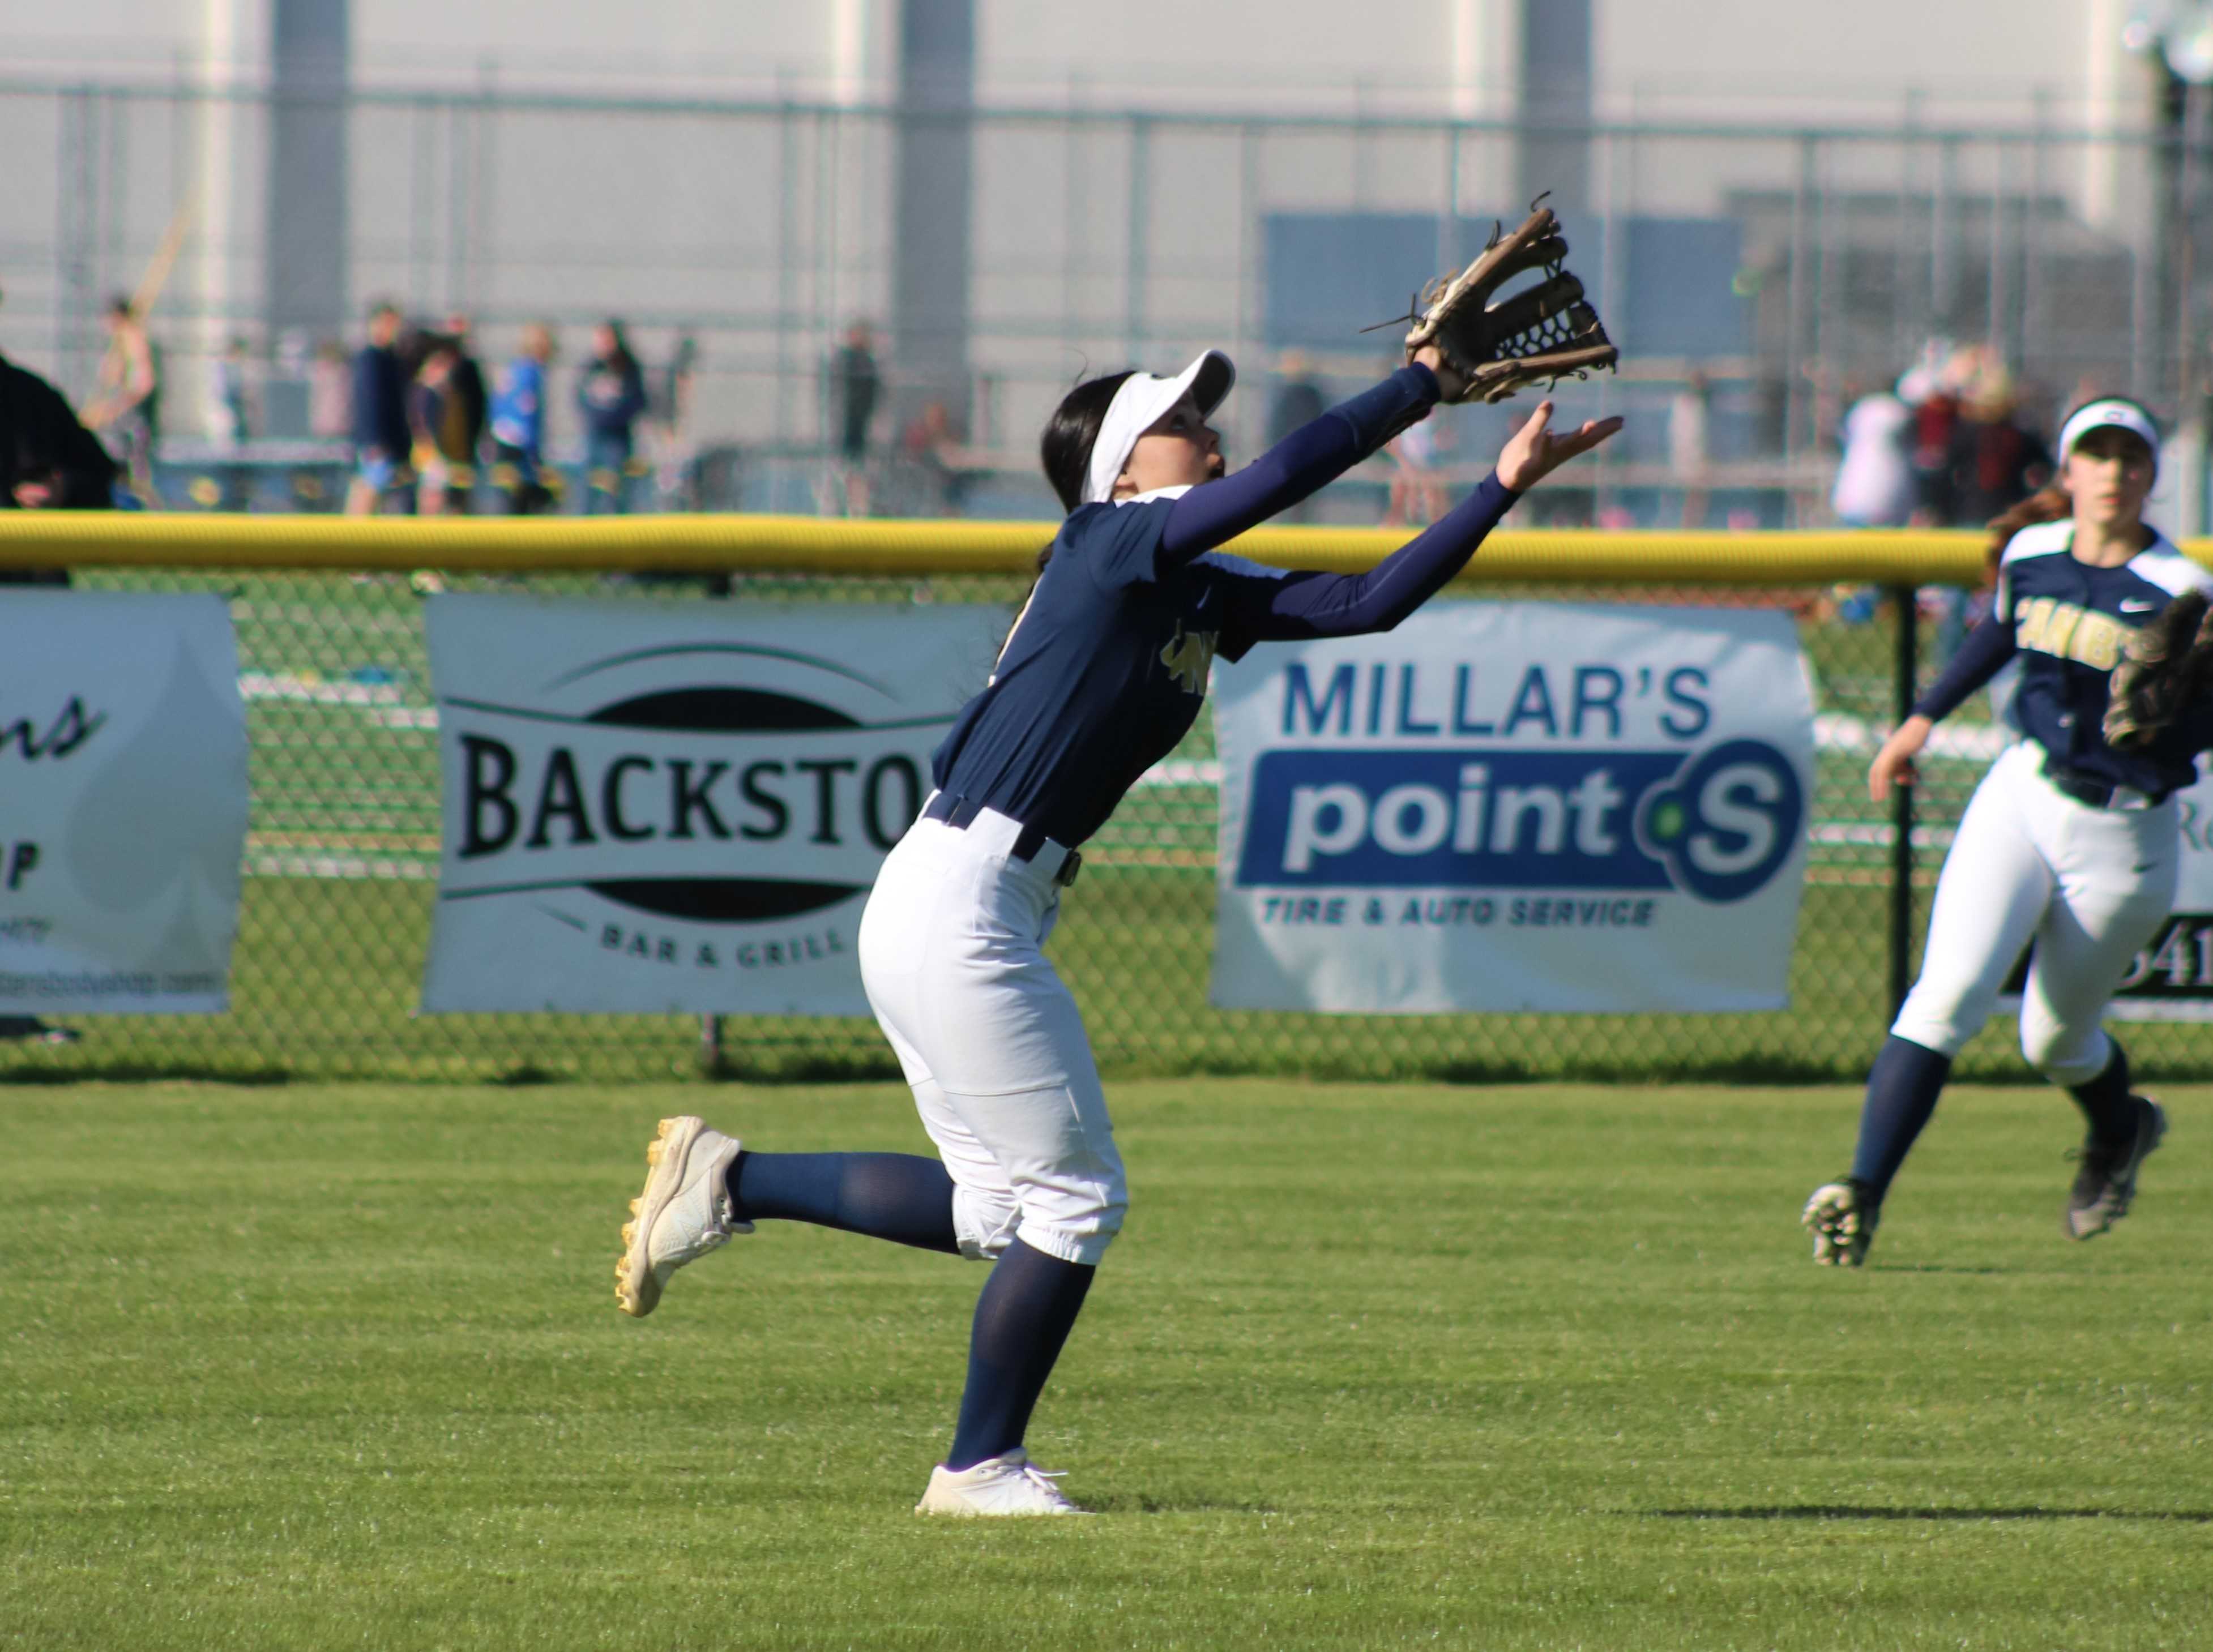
1545 332
2165 665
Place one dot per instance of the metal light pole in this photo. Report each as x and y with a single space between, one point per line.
2181 31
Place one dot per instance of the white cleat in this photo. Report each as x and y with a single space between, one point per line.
683 1214
1842 1219
1011 1485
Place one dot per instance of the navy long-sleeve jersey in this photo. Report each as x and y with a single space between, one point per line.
1107 662
380 401
2067 622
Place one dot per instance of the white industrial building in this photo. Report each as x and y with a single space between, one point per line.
1014 191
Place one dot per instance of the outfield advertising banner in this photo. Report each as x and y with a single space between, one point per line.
123 802
1508 807
678 807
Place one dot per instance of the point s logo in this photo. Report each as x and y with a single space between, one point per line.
1718 825
714 803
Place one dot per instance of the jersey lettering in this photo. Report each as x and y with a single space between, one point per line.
2069 632
1188 657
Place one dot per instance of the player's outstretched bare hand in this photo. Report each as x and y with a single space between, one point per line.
1533 452
1893 764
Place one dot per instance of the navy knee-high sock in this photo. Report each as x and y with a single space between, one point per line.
901 1197
1902 1089
1028 1306
2105 1100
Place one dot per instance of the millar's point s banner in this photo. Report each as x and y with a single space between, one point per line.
123 802
678 807
1516 807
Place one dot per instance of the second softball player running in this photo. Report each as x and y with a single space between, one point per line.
2068 843
1102 673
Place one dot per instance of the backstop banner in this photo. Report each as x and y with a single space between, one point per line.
656 809
1524 806
123 801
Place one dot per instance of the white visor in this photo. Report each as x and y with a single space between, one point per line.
1138 405
2123 415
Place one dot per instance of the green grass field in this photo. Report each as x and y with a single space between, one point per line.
315 1367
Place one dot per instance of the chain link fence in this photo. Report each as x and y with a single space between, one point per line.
1786 266
342 864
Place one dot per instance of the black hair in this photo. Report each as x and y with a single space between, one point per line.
1065 451
1072 432
620 358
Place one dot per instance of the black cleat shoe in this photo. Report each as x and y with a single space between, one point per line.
2108 1180
1842 1217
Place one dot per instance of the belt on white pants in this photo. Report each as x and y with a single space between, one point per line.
2087 788
1055 859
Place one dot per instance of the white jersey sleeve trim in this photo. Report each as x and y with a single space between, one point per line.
2038 540
1152 494
2162 565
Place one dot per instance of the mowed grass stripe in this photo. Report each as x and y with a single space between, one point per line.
336 1366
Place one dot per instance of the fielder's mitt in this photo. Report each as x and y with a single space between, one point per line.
2165 665
1545 332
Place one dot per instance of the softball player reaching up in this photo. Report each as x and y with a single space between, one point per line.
1100 676
2069 843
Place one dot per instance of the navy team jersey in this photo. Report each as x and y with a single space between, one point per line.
2067 622
1103 674
1107 662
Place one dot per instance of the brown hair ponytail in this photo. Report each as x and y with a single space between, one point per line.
2047 505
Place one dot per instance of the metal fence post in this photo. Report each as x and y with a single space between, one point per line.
1906 665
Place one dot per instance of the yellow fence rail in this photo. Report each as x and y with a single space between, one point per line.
831 545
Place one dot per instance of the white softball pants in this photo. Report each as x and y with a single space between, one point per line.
951 952
2090 885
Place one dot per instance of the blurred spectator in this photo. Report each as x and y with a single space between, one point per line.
611 395
230 408
330 393
1417 497
468 413
1688 454
1997 461
1932 389
1298 402
518 424
1875 485
932 443
230 421
436 426
671 395
857 384
675 477
126 403
379 415
48 461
